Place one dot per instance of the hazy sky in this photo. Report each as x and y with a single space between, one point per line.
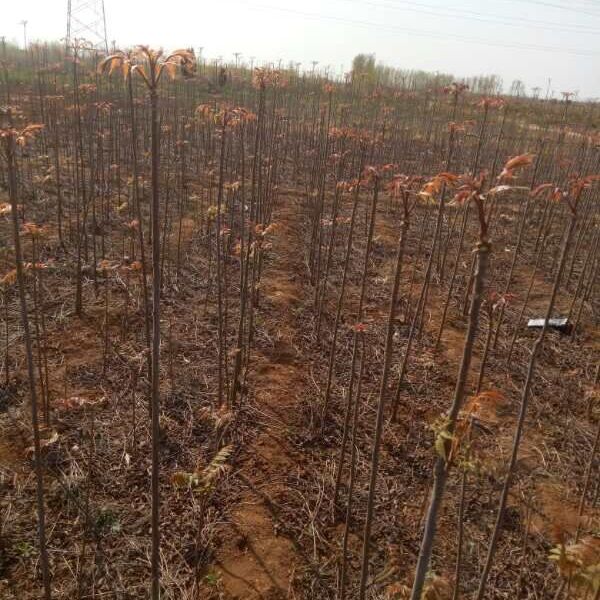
532 40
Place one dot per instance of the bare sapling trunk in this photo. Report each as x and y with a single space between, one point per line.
461 518
587 478
532 279
222 372
37 452
236 384
155 382
470 190
157 65
441 468
572 200
387 363
517 251
437 185
486 348
452 278
352 477
140 225
341 296
358 327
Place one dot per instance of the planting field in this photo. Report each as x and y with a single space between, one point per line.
265 335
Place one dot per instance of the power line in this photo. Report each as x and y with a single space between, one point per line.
475 16
469 14
560 7
418 32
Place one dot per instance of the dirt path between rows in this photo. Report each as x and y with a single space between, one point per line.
258 562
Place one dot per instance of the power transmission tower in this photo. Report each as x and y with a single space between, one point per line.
87 19
24 25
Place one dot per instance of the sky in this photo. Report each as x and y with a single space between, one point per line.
544 43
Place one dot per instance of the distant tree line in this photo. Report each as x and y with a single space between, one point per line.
366 67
